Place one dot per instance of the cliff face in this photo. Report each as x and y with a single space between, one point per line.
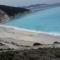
3 17
8 12
12 11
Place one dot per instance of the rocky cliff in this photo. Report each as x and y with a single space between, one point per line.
7 12
3 17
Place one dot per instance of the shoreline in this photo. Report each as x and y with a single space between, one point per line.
18 35
33 31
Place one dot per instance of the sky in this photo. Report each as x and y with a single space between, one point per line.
26 2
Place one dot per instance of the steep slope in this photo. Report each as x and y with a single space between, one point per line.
8 12
3 16
12 11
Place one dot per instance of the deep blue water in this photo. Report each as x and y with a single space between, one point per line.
47 20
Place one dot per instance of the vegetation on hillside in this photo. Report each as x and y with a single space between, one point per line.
31 54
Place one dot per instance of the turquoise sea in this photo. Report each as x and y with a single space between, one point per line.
47 20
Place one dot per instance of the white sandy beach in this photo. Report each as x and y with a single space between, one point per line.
22 35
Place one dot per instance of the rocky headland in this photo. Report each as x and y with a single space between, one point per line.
8 12
3 16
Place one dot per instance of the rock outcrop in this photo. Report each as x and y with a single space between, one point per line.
8 12
3 17
12 11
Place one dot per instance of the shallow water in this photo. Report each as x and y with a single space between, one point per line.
47 21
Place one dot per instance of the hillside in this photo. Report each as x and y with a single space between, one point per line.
3 16
40 7
12 11
8 12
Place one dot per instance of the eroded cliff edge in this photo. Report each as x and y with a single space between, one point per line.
8 12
